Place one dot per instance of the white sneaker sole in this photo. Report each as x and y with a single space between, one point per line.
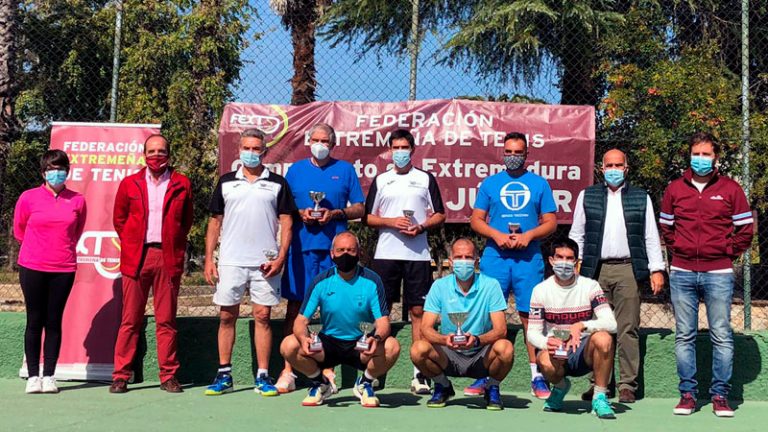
724 414
682 411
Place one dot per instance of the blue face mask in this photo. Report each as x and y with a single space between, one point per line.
463 269
55 177
701 165
564 270
614 177
401 157
250 159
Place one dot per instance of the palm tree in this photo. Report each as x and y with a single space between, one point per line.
300 17
9 126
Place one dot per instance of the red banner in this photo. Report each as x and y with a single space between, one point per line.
459 141
101 155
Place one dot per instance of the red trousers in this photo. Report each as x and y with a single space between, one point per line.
135 294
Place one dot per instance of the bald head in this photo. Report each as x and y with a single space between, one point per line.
614 158
463 248
345 242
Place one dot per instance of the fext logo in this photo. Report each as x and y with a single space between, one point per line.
105 258
268 124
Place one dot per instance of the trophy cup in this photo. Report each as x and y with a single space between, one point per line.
458 318
315 344
514 228
562 351
316 197
362 343
270 254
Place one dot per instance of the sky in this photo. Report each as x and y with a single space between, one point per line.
343 74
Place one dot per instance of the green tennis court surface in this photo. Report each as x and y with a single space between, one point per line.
90 407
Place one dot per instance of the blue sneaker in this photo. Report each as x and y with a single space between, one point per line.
222 384
477 388
602 408
540 388
493 398
440 396
266 386
555 400
363 390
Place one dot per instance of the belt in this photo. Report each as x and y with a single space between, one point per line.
156 245
616 261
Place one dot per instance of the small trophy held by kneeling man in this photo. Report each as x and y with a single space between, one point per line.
315 344
317 197
362 343
458 319
563 336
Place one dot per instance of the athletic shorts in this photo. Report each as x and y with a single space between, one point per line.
576 365
515 275
301 268
465 365
233 281
339 351
414 276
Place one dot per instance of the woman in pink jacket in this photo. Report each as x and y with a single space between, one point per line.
47 222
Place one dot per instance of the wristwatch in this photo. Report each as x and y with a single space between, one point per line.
477 342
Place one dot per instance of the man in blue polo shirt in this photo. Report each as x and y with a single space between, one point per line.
347 295
514 210
485 352
313 231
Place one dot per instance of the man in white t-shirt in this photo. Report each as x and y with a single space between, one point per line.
246 209
576 306
403 203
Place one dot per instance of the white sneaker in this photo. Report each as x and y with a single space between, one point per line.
34 385
331 375
49 385
286 383
420 385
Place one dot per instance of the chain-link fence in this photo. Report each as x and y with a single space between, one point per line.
656 71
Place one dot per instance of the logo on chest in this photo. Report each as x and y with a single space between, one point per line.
515 195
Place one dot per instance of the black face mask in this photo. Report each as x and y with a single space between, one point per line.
345 262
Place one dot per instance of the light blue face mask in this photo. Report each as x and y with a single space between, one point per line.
401 158
614 177
250 159
55 177
463 269
564 270
702 165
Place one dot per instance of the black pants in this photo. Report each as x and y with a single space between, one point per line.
45 295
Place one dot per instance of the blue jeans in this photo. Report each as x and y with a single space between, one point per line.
717 291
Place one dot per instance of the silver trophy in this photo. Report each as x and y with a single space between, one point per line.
458 318
315 344
562 335
362 343
514 228
317 197
270 254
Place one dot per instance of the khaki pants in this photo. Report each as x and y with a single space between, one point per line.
621 290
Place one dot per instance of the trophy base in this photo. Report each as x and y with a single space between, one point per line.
317 214
561 354
459 340
360 346
315 348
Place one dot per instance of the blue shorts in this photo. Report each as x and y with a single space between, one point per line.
576 365
300 270
517 275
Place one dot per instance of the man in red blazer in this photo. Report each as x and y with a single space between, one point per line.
152 217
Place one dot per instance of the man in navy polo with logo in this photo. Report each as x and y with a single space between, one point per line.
514 210
309 254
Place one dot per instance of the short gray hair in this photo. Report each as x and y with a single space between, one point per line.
325 128
346 233
253 133
463 240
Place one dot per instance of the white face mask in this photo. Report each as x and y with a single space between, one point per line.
320 151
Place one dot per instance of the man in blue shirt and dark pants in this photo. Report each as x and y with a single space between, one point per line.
347 295
484 350
308 256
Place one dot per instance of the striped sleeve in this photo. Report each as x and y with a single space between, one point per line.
743 223
535 334
603 320
666 218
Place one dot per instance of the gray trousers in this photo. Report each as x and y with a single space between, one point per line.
621 290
